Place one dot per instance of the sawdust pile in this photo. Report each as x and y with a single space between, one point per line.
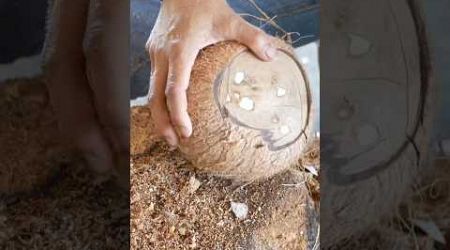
175 207
52 204
172 207
27 128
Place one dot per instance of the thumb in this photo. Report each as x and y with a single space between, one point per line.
256 40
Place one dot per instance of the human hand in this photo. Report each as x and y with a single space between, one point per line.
182 29
86 66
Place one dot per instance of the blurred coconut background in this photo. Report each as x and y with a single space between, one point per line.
48 199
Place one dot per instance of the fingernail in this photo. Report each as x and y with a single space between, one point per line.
271 52
182 131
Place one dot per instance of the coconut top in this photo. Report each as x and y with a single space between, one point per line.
271 97
249 116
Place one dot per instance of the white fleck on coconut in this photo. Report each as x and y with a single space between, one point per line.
239 77
358 45
240 210
281 92
228 98
284 130
247 103
275 119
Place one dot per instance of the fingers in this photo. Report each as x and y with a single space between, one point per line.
160 114
254 38
67 84
168 85
106 49
180 65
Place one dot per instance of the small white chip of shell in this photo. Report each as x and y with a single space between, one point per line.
275 119
240 210
239 77
194 184
281 92
247 103
284 130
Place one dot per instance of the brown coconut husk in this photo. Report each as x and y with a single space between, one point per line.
217 145
30 154
220 146
353 210
225 148
142 130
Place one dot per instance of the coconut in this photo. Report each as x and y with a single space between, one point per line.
250 118
362 189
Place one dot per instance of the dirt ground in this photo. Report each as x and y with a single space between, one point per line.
172 207
52 202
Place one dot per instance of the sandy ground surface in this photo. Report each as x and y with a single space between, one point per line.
172 207
53 202
175 207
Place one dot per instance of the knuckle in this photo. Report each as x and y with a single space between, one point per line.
173 90
92 44
148 46
259 39
176 119
163 130
153 48
233 23
177 50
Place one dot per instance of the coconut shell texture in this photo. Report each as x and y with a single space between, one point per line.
225 147
358 203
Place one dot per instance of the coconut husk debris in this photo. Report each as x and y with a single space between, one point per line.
27 128
48 197
170 211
